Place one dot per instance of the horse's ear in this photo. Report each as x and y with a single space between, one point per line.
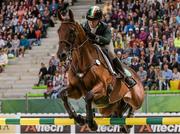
60 16
71 15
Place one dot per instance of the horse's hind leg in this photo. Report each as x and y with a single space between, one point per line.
126 128
123 107
130 112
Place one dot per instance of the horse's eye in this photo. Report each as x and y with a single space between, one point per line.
68 45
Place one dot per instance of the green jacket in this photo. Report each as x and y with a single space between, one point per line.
103 33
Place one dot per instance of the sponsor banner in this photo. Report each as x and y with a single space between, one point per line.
44 128
101 129
157 128
9 129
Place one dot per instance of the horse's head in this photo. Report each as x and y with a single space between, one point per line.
71 36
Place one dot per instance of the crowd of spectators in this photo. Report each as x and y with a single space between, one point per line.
22 25
146 36
54 76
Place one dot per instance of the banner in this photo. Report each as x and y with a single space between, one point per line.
101 129
44 128
157 128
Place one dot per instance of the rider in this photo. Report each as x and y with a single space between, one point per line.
100 33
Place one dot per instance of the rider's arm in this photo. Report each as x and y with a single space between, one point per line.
105 39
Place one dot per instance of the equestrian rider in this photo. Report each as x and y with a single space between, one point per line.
100 33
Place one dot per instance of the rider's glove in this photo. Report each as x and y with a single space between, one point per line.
91 35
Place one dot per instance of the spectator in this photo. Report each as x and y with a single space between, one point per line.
38 36
142 74
143 35
41 7
53 8
15 46
152 58
176 74
177 41
3 59
49 90
150 78
167 76
62 68
178 17
42 74
2 43
107 8
35 11
31 36
39 24
174 64
51 70
158 78
54 60
135 64
58 83
24 44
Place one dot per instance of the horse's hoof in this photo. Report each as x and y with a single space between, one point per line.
125 129
129 126
93 125
80 120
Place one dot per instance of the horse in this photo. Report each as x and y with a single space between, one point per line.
90 77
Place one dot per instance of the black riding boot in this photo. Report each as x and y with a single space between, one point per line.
120 70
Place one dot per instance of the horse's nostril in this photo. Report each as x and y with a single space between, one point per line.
63 55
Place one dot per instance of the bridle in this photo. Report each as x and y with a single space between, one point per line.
71 43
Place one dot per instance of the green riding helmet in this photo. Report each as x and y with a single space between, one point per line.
94 13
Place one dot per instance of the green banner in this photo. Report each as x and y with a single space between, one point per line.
39 106
161 103
152 103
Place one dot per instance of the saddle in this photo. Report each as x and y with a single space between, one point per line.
117 91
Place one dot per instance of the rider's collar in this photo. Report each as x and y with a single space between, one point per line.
93 30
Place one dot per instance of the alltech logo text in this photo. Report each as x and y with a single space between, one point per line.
45 129
157 129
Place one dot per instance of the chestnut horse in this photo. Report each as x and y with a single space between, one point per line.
89 76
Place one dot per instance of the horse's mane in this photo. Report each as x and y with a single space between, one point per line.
80 29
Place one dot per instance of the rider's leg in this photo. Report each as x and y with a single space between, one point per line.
119 68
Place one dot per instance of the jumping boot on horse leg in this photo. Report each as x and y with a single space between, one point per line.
120 70
89 112
72 114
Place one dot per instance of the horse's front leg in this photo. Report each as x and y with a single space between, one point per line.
89 112
95 93
72 113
